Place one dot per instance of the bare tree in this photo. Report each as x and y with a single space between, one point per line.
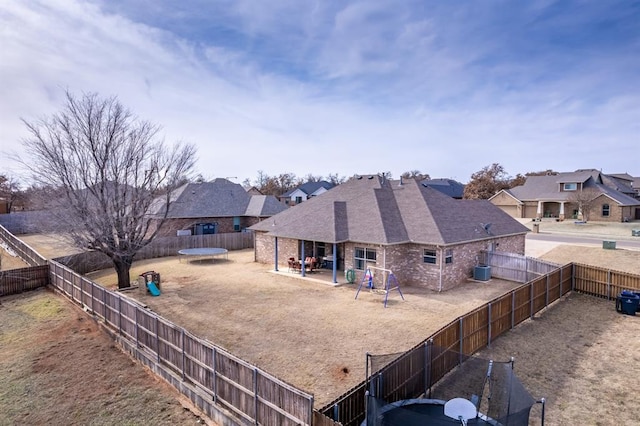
585 200
110 168
415 174
486 182
10 191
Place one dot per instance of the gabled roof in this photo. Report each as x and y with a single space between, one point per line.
374 210
309 188
450 187
220 198
618 197
547 188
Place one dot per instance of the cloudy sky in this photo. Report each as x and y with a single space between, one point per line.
342 87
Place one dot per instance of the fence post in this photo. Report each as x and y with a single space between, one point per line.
255 394
157 341
183 354
430 358
573 276
513 309
93 300
561 280
215 376
135 307
546 296
531 300
609 284
461 342
489 326
120 314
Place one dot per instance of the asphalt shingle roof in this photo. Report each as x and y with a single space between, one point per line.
220 198
375 210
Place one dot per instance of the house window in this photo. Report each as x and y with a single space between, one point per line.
448 256
236 224
362 256
570 186
605 210
298 200
429 256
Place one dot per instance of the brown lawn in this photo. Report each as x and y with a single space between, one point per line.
577 353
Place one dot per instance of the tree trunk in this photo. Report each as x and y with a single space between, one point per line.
123 267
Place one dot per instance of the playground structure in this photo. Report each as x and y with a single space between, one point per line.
149 283
389 280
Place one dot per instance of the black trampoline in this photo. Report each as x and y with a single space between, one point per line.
414 412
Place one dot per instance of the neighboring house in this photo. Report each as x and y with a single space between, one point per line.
253 191
555 196
630 184
425 237
215 207
304 192
450 187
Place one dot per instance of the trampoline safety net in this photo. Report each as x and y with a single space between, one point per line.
493 388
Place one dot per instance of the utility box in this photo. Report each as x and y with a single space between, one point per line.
609 245
482 273
635 232
536 228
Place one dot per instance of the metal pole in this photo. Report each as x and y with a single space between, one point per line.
302 258
276 269
335 263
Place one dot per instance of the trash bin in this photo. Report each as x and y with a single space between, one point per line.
536 228
628 303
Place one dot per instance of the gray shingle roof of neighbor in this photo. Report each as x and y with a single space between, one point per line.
450 187
547 188
310 187
374 210
220 198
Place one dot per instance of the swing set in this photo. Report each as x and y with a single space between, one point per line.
390 284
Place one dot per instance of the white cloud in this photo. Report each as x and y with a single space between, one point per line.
331 88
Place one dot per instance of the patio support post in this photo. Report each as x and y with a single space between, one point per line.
335 263
302 257
276 255
539 211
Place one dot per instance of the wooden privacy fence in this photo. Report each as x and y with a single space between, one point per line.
204 372
410 375
603 282
515 267
16 281
25 252
86 262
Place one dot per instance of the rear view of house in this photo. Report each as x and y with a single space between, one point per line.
425 237
219 206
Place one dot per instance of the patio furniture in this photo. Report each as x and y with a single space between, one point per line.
294 265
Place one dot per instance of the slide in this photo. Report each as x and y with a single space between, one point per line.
153 289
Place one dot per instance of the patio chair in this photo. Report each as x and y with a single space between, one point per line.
294 266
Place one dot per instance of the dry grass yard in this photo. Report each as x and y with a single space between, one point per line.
578 353
57 367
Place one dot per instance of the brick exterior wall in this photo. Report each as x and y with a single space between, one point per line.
225 224
405 260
